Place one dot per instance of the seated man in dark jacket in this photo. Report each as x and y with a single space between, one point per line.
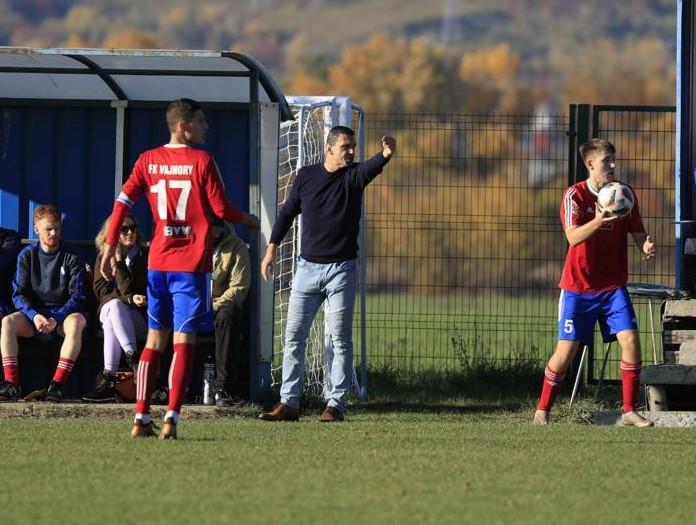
9 248
50 298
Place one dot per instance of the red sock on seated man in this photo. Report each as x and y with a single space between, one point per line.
48 292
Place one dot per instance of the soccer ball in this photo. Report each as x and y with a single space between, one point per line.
616 198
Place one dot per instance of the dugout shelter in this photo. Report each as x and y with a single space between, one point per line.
73 122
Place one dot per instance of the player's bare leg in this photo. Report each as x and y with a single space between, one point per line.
554 374
630 374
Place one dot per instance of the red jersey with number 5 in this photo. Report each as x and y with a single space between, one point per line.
184 189
600 262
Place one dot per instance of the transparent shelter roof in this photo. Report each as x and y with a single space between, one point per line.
135 75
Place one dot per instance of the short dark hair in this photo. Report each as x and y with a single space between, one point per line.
181 109
594 146
334 133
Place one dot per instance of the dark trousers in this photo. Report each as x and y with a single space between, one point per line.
229 362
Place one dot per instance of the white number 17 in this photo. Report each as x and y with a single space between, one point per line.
161 190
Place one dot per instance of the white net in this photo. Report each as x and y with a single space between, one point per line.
301 143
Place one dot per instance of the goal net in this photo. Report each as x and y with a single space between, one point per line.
301 143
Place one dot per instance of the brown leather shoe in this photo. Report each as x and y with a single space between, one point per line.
331 415
281 412
143 430
168 430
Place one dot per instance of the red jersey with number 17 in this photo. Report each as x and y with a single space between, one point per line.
600 262
184 189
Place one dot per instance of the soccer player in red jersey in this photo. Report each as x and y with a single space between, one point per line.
184 190
593 284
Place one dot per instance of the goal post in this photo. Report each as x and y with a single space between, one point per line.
301 143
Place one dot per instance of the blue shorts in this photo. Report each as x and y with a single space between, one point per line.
578 312
182 300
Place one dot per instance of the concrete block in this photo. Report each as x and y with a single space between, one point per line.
676 337
668 375
680 308
687 353
661 419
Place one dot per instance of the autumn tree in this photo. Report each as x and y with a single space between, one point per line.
606 72
490 81
128 38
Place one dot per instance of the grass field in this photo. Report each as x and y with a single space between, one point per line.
457 462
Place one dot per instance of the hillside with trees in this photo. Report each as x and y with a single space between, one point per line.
432 73
396 55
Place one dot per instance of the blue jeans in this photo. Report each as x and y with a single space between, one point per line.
313 283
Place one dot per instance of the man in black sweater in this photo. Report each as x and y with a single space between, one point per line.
329 196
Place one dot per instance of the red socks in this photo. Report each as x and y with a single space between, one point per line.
10 368
63 370
148 370
630 373
550 388
180 375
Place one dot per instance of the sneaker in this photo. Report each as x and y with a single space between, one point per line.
634 419
281 412
143 430
541 417
168 430
54 393
331 415
105 391
160 396
224 399
9 392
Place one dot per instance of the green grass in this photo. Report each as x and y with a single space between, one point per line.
464 462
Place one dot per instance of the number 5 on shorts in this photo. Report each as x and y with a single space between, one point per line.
568 326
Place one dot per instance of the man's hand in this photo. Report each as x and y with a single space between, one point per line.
106 264
251 221
139 300
44 325
267 262
388 146
603 215
648 248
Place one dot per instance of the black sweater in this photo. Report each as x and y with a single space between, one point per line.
51 284
330 204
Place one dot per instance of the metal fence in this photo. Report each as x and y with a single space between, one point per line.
645 141
464 240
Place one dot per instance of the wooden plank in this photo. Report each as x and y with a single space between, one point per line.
676 337
668 375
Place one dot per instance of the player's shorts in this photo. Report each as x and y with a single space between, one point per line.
180 300
578 312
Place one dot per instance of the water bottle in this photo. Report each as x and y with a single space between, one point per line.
209 382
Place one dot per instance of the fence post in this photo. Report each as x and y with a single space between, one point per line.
580 130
